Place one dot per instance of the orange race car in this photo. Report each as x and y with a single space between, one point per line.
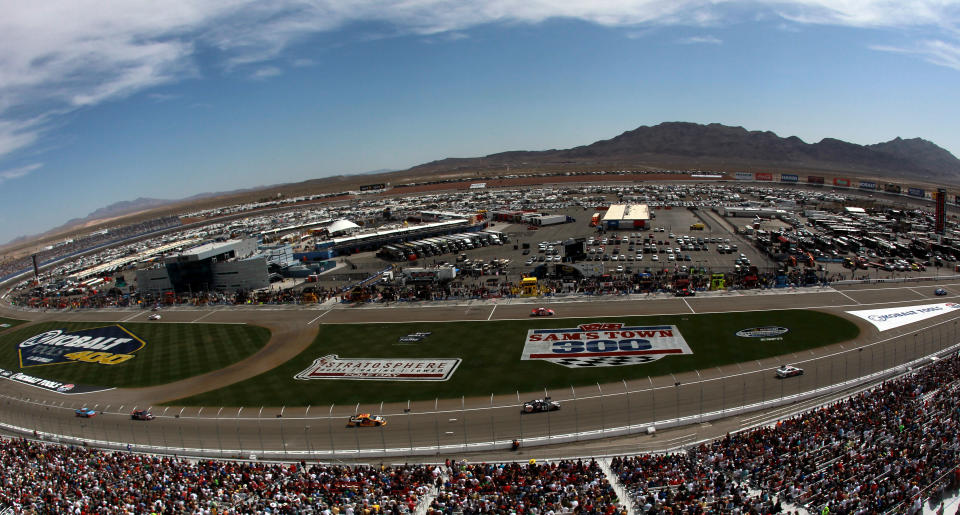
366 420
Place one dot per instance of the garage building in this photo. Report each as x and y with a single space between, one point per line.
627 216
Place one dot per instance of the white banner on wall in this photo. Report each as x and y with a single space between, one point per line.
891 318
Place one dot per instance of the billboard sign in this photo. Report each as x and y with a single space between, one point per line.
814 179
604 344
373 187
763 176
890 318
789 177
868 185
743 176
332 366
916 192
841 182
110 345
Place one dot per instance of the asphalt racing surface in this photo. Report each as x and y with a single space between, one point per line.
683 408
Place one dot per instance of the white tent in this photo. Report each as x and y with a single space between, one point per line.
341 227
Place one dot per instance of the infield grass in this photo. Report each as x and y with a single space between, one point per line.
491 357
172 352
6 323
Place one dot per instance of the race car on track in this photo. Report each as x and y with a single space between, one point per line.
786 371
542 312
155 316
86 412
939 292
141 414
685 292
540 405
366 420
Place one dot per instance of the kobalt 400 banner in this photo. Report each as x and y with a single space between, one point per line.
891 318
109 345
604 345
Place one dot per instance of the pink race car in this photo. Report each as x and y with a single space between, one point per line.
542 312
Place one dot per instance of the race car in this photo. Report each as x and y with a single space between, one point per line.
542 312
939 292
786 371
685 292
366 420
540 405
155 316
85 412
141 414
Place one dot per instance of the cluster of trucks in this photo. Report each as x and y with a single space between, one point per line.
413 250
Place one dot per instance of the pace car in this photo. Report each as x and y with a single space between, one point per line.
542 312
786 371
366 420
540 405
85 412
141 414
939 292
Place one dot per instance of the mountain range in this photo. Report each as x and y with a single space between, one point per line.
669 145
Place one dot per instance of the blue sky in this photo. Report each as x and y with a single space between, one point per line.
108 101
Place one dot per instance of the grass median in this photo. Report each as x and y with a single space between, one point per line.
172 352
491 352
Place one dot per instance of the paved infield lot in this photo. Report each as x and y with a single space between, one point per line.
454 421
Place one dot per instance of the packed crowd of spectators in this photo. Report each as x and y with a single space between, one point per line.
43 478
541 488
886 450
880 451
84 243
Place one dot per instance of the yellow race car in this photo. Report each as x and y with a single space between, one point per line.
366 420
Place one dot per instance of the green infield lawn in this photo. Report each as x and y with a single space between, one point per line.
6 323
491 354
172 352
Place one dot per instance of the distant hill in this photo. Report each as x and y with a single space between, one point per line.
669 145
682 145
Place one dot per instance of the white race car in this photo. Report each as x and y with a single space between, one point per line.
786 371
155 316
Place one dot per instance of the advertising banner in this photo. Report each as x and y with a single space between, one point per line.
109 345
49 384
891 188
604 345
868 185
332 366
890 318
916 192
789 177
743 176
841 182
814 179
763 176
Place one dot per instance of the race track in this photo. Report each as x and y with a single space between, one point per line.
703 404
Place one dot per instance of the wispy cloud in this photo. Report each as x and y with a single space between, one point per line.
61 55
162 97
700 40
266 72
940 53
16 173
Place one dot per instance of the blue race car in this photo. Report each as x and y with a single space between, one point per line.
939 292
86 412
